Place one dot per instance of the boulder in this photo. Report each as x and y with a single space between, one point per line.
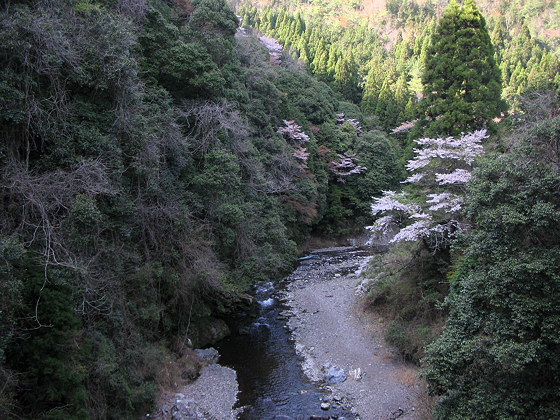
207 356
333 374
209 331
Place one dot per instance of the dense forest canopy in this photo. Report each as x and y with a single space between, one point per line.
374 53
484 254
156 161
153 167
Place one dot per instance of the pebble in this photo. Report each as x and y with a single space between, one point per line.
325 406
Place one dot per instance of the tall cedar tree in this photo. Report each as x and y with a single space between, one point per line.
462 86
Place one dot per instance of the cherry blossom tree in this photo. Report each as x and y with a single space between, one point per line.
430 212
345 165
296 137
293 132
340 119
274 49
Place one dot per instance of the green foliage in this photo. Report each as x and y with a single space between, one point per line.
11 302
343 45
185 69
407 288
49 353
103 173
376 153
462 85
497 356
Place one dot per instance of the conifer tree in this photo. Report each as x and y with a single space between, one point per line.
371 92
402 96
499 35
346 78
462 87
386 108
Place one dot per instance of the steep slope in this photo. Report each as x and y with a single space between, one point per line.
145 184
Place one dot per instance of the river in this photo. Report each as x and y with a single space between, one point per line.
271 381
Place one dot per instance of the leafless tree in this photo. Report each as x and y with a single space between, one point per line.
134 9
210 123
36 206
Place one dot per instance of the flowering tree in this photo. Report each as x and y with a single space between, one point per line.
296 137
293 132
274 49
441 168
340 119
345 165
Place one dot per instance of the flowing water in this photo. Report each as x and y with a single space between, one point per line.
272 384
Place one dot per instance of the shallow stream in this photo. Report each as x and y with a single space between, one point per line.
271 381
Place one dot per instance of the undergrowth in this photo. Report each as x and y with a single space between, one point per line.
409 286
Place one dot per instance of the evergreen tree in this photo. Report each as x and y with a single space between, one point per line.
386 108
319 64
402 96
462 86
373 83
498 38
371 92
346 78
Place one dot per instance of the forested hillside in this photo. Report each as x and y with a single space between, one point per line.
151 172
156 161
469 288
373 52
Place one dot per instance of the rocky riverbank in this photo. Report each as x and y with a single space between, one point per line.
340 345
210 397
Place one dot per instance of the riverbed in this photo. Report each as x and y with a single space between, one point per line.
310 325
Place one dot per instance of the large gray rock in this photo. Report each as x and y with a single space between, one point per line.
333 374
208 356
208 331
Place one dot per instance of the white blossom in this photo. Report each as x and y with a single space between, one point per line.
405 126
274 49
458 176
465 149
293 132
420 216
345 165
418 162
384 224
340 120
413 232
301 153
437 219
450 202
438 198
413 178
390 202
